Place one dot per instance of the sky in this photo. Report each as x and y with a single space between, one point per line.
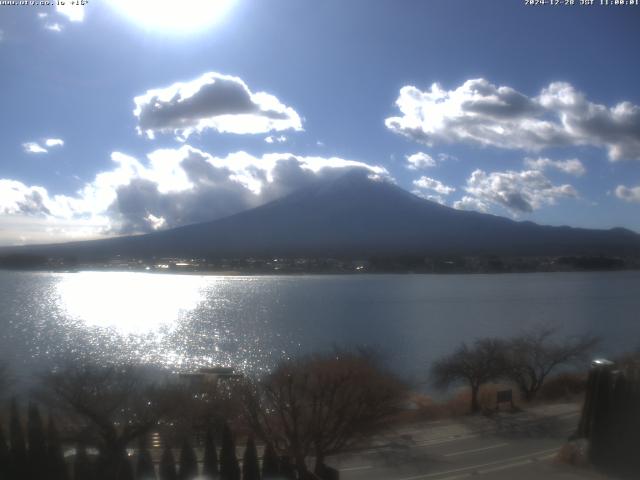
122 117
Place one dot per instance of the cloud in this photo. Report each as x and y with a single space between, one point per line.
73 12
54 142
481 113
212 101
33 147
18 199
437 186
431 197
628 194
572 166
53 27
275 139
173 187
471 203
420 161
36 147
518 192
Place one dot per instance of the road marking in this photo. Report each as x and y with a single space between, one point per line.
462 452
351 469
516 464
428 443
504 461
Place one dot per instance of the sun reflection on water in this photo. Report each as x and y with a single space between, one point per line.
128 302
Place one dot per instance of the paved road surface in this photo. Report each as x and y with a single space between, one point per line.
510 446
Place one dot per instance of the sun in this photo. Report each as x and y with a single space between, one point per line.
179 16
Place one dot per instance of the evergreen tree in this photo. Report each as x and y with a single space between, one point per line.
229 468
81 465
56 464
286 469
168 465
270 468
188 462
18 452
4 456
144 468
125 469
210 468
250 466
37 452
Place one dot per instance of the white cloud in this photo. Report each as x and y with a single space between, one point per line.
437 186
420 161
54 142
33 147
518 192
481 113
471 203
37 147
18 199
53 27
212 101
275 139
628 194
431 197
172 187
73 11
572 166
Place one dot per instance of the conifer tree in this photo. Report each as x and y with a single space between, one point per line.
168 465
286 469
56 465
210 469
81 465
144 467
125 469
4 455
250 466
37 451
229 468
270 468
188 462
18 449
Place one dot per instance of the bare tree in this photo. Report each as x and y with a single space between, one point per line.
6 380
534 355
322 404
482 362
117 404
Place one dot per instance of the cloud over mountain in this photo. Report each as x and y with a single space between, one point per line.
481 113
518 192
174 187
212 101
437 186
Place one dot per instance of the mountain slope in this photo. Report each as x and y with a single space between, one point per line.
355 216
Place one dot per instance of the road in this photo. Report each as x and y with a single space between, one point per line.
509 446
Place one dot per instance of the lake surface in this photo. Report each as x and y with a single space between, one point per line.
183 321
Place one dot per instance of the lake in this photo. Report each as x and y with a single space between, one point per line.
184 321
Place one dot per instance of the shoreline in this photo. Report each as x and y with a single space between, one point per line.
240 273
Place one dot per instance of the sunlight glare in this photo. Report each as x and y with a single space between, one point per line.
180 16
130 302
